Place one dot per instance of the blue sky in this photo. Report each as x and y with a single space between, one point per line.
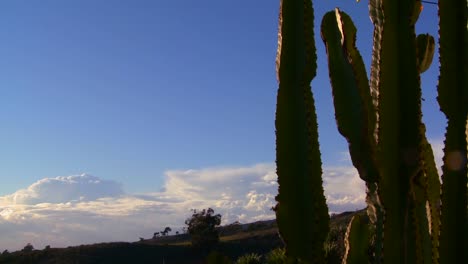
132 91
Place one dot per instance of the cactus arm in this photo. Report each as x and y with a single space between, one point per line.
453 101
357 241
417 8
422 237
425 48
354 111
433 197
301 211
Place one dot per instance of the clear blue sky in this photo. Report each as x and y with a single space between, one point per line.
125 90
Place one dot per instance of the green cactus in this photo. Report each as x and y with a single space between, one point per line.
405 163
301 212
425 49
453 101
382 121
357 241
354 110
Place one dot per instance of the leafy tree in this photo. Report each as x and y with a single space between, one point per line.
202 228
28 248
166 231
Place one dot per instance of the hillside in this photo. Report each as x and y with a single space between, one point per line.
236 240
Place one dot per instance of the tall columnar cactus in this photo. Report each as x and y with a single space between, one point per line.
301 212
399 130
453 101
406 178
354 108
382 121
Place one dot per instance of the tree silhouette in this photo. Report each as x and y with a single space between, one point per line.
166 231
28 248
202 228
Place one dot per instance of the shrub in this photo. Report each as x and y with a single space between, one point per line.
276 256
250 259
217 258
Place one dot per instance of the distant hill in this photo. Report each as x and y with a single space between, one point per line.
236 240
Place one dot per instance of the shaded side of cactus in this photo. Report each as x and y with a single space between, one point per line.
382 122
453 101
400 144
399 134
355 110
301 211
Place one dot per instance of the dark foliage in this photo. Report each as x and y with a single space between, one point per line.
202 228
166 231
124 253
28 248
217 258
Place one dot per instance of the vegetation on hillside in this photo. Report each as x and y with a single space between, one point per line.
260 238
201 227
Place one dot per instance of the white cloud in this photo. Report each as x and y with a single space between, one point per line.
81 209
65 189
438 150
344 190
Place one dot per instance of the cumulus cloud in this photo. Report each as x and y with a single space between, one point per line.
438 150
65 189
81 209
344 190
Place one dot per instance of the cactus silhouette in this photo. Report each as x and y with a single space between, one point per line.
413 219
301 211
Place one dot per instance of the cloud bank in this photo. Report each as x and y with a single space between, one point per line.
81 209
65 189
